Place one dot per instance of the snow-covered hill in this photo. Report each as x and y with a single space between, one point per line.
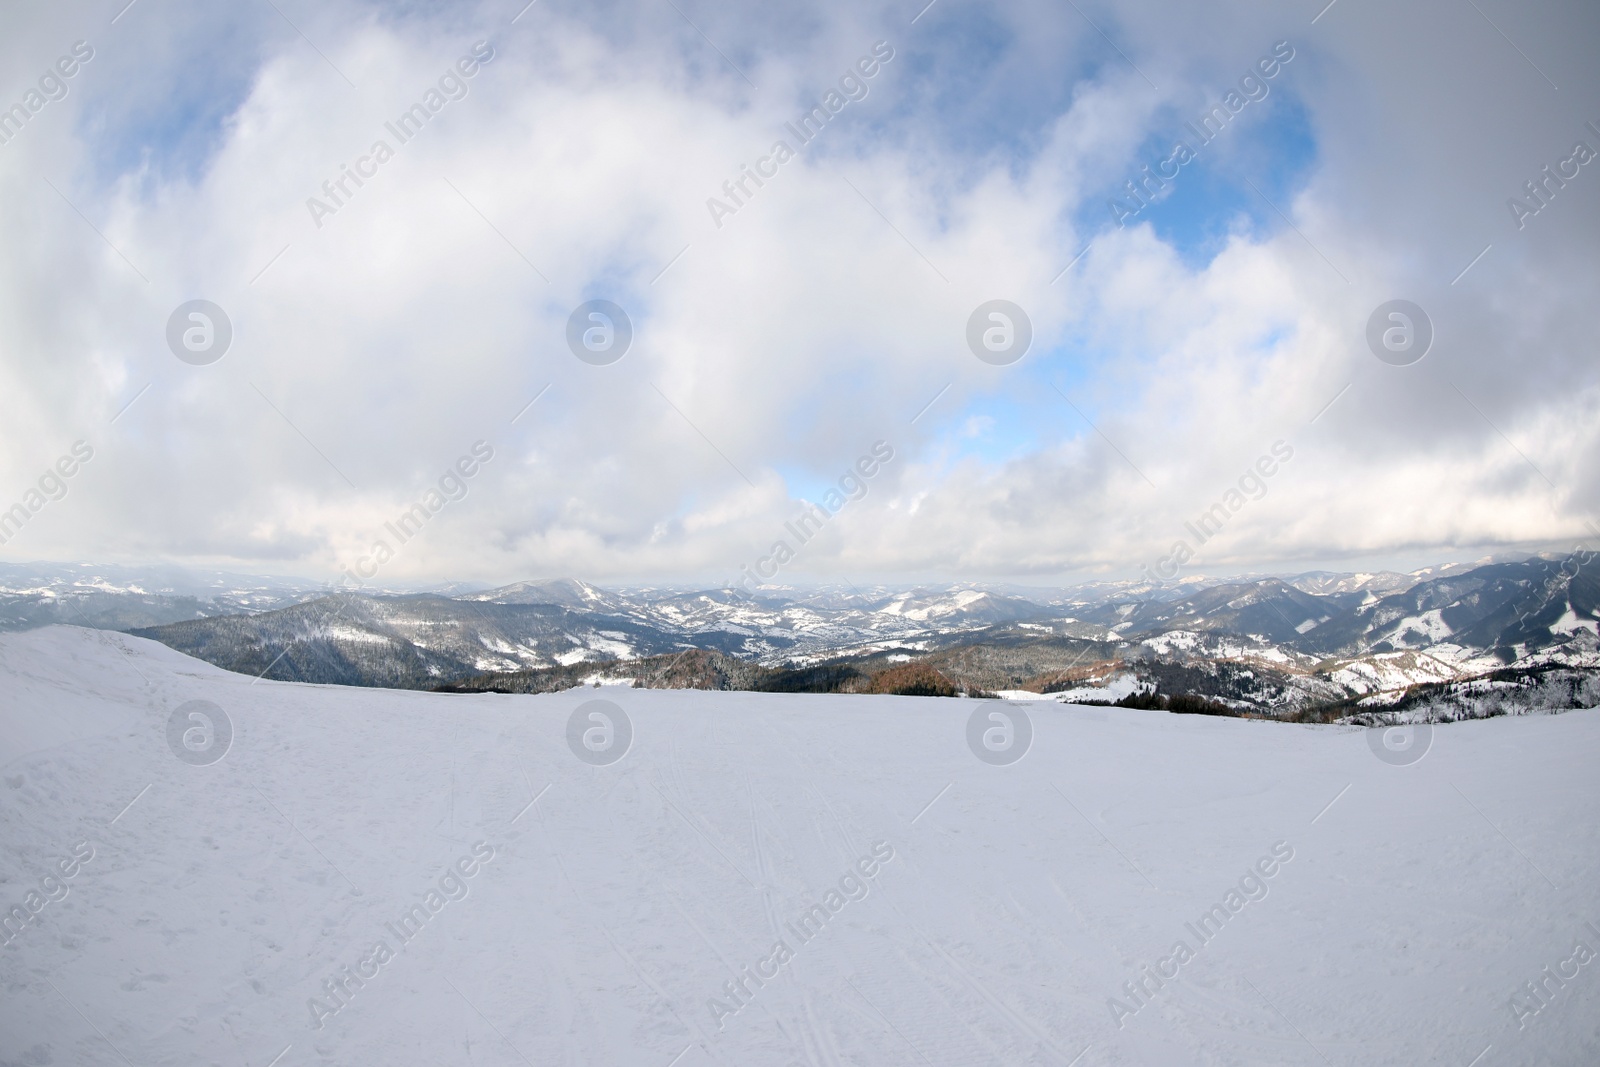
379 877
122 598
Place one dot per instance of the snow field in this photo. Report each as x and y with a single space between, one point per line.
1021 901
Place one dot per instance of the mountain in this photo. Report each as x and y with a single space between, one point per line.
959 605
1323 583
1512 609
422 640
1277 645
1269 607
124 598
415 641
565 592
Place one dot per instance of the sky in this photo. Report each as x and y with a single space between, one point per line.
363 345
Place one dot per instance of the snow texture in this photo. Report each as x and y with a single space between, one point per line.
612 920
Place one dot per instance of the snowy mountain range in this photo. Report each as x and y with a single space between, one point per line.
121 598
1262 643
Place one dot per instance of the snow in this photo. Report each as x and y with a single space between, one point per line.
1394 671
598 679
1174 641
1016 901
1107 688
353 635
1428 627
1571 622
1115 688
521 661
500 645
607 643
931 609
1221 646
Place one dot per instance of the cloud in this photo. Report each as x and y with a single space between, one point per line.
424 315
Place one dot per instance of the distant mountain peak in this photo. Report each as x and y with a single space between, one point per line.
564 592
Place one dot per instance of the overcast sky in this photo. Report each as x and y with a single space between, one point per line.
782 330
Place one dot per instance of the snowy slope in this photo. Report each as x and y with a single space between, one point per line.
1416 900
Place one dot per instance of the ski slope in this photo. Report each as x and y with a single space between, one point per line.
651 911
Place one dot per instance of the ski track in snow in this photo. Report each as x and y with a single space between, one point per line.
217 901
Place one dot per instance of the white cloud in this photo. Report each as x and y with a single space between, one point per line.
410 325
